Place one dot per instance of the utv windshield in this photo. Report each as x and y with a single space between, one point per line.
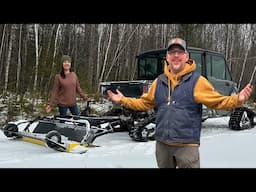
152 64
209 64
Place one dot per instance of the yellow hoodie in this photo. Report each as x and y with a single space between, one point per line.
203 92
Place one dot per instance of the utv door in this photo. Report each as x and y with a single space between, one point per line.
218 74
213 67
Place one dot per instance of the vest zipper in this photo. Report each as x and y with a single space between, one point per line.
169 92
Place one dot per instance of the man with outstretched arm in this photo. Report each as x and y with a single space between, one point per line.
178 95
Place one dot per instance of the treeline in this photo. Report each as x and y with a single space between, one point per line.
30 53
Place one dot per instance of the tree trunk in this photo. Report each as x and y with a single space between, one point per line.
44 76
106 55
245 58
54 54
100 29
252 77
231 48
227 41
1 48
19 62
8 60
134 64
118 53
37 63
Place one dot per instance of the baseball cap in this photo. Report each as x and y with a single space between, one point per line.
177 41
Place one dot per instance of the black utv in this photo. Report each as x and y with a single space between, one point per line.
211 64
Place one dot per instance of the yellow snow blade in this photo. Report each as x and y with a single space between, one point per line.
76 147
32 140
71 147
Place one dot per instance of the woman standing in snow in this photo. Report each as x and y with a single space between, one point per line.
66 85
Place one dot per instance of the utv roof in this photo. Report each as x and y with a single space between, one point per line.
161 50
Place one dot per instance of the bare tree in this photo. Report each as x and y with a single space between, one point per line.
74 52
104 51
37 63
228 34
139 43
117 51
249 39
164 36
231 46
2 45
106 54
19 61
252 76
54 54
100 29
91 53
8 59
120 48
43 64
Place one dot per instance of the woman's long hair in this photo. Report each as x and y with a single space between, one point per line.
62 73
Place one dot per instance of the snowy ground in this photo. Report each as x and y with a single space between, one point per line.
220 148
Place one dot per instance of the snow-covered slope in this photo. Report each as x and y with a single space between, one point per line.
220 148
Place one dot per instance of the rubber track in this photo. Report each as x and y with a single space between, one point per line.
236 115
